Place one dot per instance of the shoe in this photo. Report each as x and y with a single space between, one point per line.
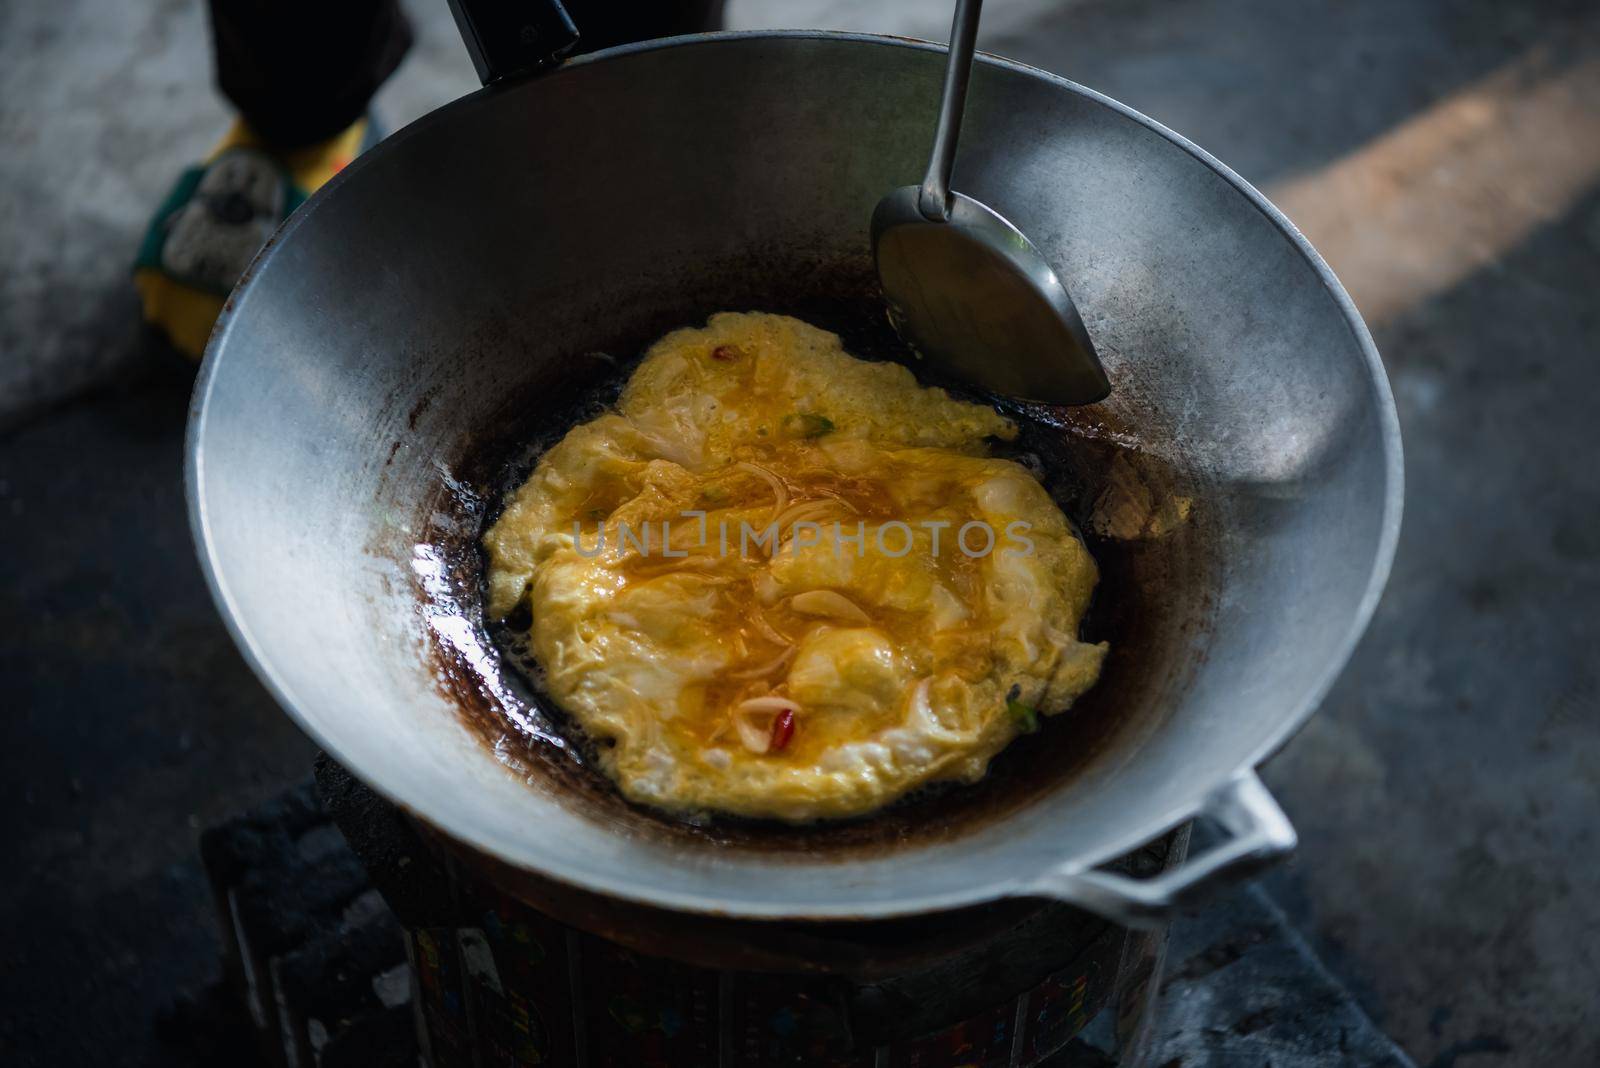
216 219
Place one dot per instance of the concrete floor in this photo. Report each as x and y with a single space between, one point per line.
1446 158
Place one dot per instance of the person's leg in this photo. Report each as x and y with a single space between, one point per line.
302 76
603 23
301 72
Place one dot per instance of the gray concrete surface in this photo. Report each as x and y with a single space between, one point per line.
1446 158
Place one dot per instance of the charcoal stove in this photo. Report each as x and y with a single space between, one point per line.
512 972
346 943
353 939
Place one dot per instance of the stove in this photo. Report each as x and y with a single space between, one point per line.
351 938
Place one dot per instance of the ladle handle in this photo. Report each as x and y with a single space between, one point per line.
1259 834
934 202
506 37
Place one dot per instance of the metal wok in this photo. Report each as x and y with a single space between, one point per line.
441 301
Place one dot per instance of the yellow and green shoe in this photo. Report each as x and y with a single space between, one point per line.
216 218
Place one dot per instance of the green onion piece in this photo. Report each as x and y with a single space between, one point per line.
1025 715
806 425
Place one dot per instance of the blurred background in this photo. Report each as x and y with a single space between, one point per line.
1444 156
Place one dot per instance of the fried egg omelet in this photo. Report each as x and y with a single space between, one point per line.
867 646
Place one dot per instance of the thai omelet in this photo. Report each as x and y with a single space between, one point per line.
779 581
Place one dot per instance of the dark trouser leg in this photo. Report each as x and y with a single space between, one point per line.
300 71
603 23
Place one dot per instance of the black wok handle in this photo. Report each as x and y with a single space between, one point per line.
508 37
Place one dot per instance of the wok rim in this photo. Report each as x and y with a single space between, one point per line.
980 891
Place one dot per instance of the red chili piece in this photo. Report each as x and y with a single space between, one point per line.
725 353
782 730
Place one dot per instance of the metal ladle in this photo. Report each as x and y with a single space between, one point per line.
965 288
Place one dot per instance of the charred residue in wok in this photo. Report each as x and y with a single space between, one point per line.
1147 529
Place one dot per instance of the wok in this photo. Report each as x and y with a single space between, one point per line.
468 286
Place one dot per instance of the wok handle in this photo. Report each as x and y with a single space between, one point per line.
1259 835
507 37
